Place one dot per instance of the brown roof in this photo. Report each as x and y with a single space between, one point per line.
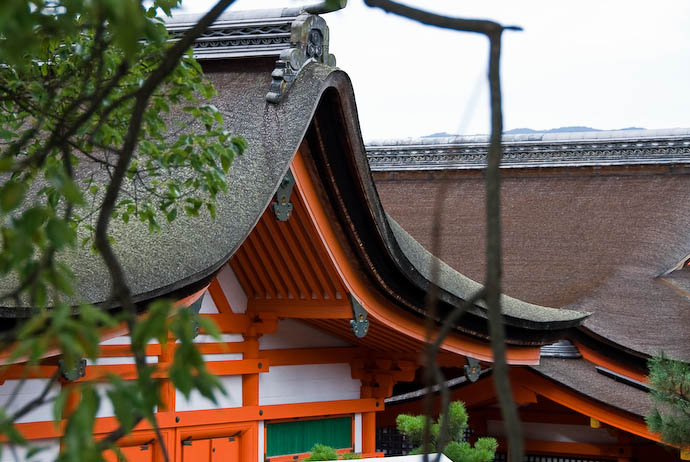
587 239
580 375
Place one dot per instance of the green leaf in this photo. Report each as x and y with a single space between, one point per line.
11 195
60 233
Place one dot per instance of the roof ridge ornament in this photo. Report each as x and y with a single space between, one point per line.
309 39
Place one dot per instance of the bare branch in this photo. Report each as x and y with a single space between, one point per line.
511 418
37 401
492 31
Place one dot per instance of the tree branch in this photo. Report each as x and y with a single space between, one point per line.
492 31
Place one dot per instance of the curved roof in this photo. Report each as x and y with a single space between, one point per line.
190 250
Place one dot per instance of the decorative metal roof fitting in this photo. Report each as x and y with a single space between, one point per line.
309 40
359 323
282 207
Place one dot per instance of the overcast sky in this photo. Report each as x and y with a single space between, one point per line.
603 64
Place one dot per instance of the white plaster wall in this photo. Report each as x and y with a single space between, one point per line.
105 407
556 432
24 394
307 384
261 441
358 432
222 357
208 306
232 289
196 402
295 334
231 338
49 453
123 340
115 360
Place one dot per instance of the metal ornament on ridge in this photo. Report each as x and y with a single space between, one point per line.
309 39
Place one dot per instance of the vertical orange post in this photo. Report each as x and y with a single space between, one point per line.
368 423
250 382
368 432
167 388
73 398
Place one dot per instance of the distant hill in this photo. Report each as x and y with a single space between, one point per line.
527 131
572 129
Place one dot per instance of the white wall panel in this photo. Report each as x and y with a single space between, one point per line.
223 357
295 334
358 432
232 338
232 289
123 340
25 393
115 360
49 453
261 441
307 384
208 306
196 402
105 407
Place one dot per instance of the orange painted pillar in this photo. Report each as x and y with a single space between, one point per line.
167 388
368 424
368 432
250 382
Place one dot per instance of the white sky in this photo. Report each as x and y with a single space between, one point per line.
603 64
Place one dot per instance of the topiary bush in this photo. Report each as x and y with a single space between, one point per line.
456 450
323 452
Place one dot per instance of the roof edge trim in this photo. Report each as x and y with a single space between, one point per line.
456 343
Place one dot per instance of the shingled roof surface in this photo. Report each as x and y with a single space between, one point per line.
190 249
581 376
587 239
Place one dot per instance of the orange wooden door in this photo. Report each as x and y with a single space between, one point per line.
196 451
142 453
226 449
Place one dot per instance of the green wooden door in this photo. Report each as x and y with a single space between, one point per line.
299 436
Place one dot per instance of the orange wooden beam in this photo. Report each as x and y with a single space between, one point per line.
378 307
599 359
305 309
129 371
298 356
584 405
213 417
563 448
108 334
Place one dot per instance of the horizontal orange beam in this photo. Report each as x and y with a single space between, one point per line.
599 359
378 307
303 309
49 429
295 356
108 334
110 351
129 371
582 404
573 449
20 371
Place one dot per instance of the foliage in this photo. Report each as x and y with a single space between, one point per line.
323 452
87 135
350 456
670 390
457 449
